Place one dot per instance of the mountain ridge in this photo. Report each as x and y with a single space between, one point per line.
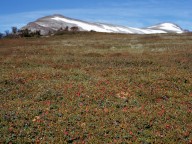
55 22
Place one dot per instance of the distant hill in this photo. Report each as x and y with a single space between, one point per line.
55 22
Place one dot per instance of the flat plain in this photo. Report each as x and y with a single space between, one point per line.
96 88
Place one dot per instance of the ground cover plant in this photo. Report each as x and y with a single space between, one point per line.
96 88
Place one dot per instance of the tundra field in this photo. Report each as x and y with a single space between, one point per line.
96 88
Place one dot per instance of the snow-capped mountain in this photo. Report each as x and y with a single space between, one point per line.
55 22
168 27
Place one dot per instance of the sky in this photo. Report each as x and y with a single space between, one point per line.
134 13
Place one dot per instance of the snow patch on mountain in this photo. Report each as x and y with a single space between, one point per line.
110 28
83 25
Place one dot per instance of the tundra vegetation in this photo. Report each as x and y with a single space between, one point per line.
96 88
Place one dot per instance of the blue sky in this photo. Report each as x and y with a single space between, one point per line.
135 13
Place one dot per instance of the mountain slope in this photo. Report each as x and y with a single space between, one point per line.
55 22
